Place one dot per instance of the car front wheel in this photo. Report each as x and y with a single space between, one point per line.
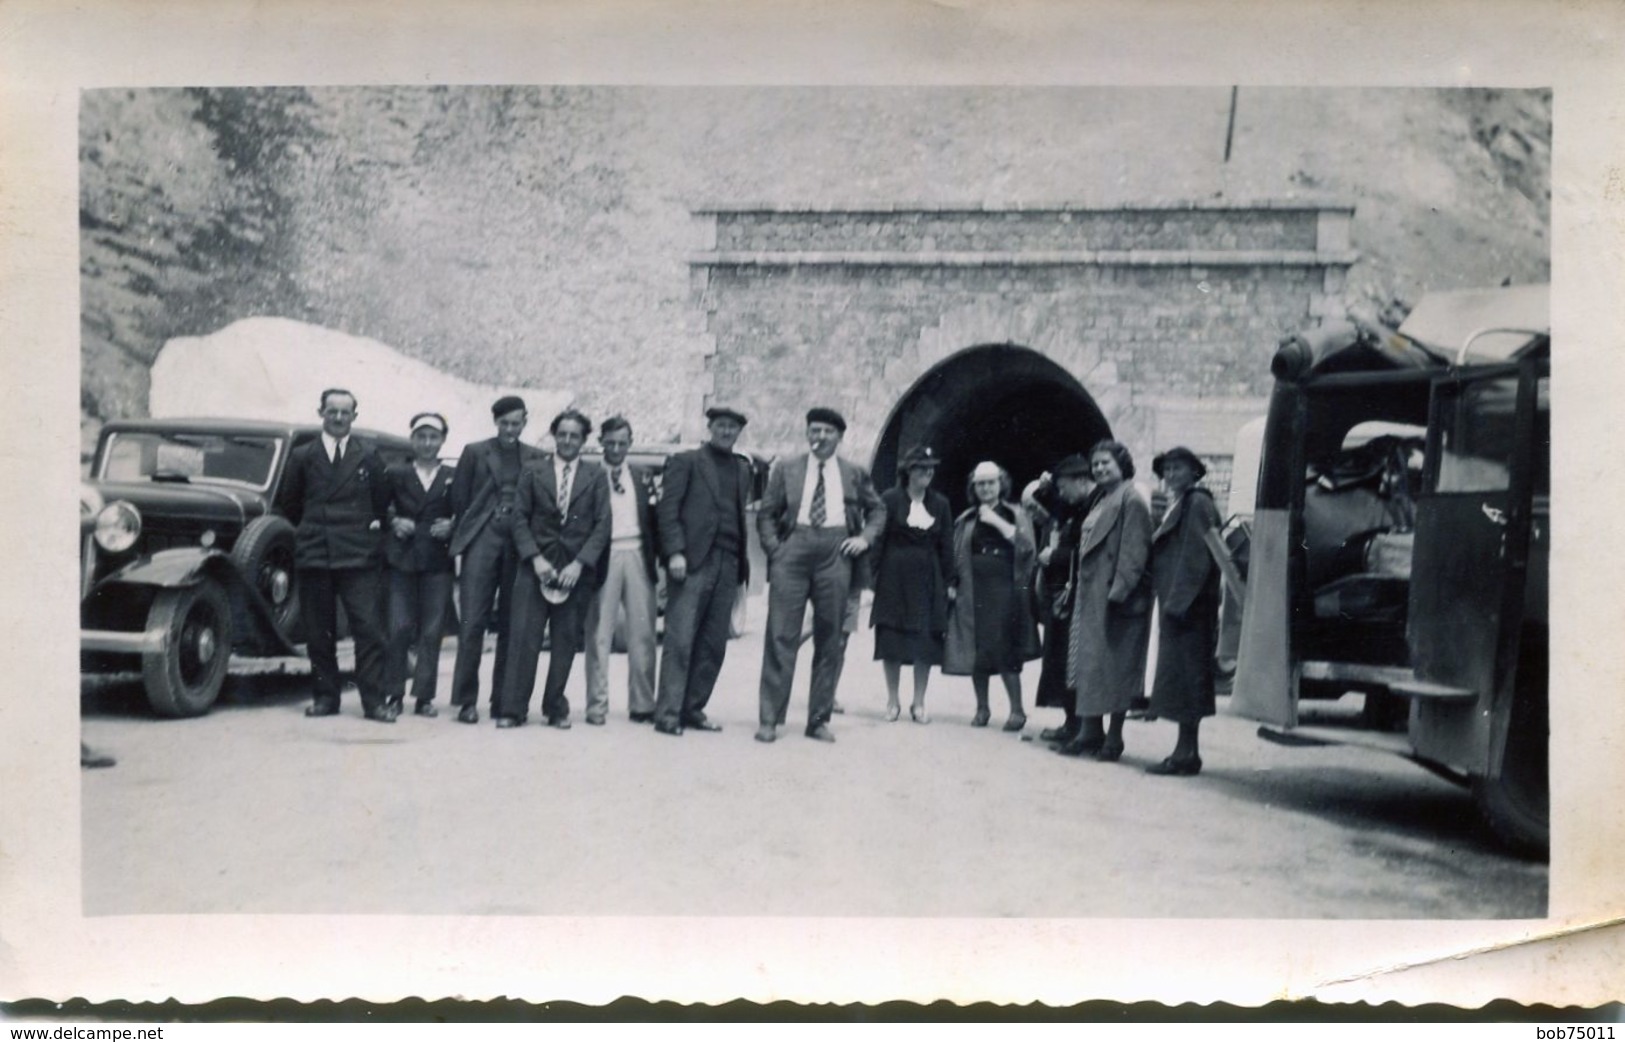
184 678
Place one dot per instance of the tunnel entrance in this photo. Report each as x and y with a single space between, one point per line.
1000 402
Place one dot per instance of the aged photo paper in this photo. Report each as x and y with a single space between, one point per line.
51 53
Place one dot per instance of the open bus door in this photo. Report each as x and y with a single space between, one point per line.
1477 620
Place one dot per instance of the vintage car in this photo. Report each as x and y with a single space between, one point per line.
183 560
1400 541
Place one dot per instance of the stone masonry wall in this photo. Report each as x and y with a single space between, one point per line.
1167 315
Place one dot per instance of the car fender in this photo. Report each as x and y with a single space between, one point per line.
186 566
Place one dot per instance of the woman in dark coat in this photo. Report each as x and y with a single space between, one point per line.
992 628
1187 584
1063 496
912 562
1111 607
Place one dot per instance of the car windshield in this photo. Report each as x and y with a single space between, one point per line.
233 459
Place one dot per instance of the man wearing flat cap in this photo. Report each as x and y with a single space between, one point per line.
701 516
819 514
420 569
483 493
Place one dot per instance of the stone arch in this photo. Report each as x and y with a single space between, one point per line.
1001 401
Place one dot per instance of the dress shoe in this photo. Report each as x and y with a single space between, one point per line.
595 719
893 711
396 705
1016 722
322 709
1058 734
468 715
505 722
981 718
675 730
89 757
1141 714
560 722
642 718
700 723
383 714
1177 766
1081 746
425 709
836 707
917 714
820 734
767 733
1109 752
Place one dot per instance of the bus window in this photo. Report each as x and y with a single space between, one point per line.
1476 434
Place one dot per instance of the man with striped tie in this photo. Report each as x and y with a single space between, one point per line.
819 514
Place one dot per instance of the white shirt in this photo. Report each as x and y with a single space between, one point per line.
328 442
624 530
426 477
834 493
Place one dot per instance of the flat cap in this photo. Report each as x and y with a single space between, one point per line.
506 404
824 414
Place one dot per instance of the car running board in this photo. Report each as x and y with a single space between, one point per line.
1299 737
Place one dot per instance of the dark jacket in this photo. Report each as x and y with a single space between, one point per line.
892 600
475 487
419 552
338 514
690 505
579 534
1182 567
642 487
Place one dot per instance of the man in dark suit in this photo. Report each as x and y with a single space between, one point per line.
483 492
627 577
420 572
702 532
562 529
819 514
334 492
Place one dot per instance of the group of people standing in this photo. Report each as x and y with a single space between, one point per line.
1078 556
552 543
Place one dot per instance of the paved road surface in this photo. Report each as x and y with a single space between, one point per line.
254 808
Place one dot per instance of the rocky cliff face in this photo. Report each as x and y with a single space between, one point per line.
539 236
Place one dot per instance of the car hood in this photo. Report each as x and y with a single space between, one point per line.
176 501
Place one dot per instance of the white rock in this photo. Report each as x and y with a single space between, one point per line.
276 369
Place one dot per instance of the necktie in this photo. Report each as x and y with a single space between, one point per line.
338 453
615 480
818 512
564 489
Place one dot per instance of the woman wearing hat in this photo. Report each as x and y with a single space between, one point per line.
1187 584
1111 606
913 561
992 628
1063 495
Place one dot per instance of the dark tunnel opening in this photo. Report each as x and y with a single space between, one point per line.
998 402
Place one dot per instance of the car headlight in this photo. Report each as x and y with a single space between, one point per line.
118 526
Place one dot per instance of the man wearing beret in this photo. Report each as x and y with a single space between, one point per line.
335 494
702 532
819 514
483 491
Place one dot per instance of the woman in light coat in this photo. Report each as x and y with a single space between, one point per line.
1111 614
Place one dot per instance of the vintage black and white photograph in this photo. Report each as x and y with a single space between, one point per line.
1155 416
899 503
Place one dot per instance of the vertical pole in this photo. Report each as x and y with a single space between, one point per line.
1230 129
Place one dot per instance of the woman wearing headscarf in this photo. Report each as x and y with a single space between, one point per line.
992 629
1187 585
913 561
1111 604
